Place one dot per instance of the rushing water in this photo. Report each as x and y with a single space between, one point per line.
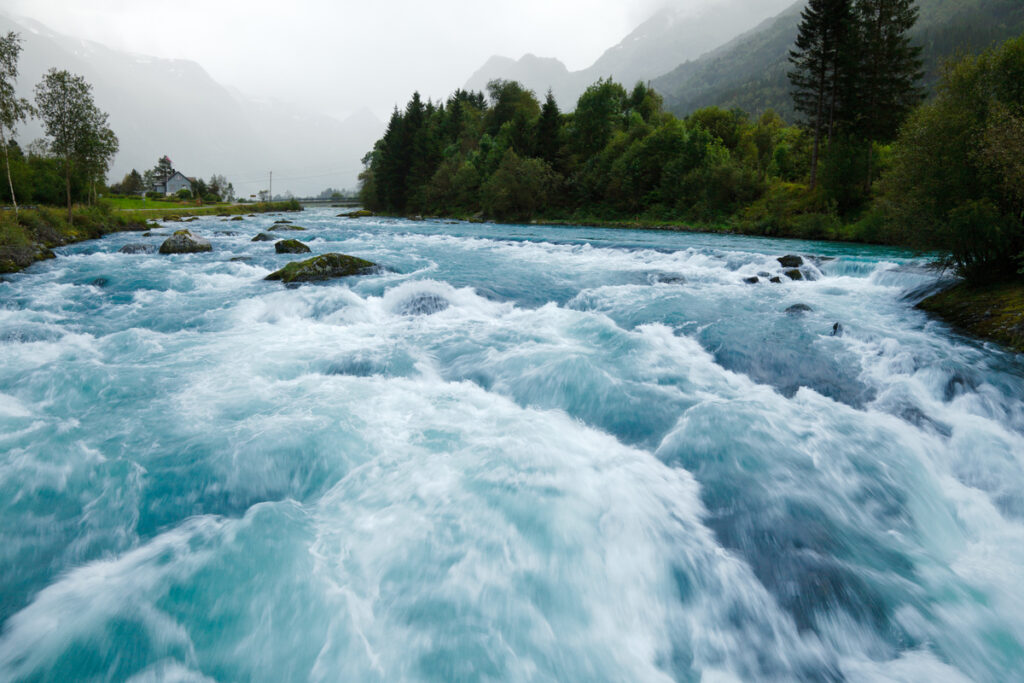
514 453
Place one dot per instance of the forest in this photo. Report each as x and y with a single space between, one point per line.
870 159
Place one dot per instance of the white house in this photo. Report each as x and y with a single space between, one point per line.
176 182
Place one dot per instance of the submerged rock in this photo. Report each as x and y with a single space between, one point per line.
323 267
794 274
137 249
184 242
837 330
798 309
263 237
238 218
286 227
790 261
283 221
423 304
291 247
240 259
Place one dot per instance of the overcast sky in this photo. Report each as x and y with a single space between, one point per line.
336 55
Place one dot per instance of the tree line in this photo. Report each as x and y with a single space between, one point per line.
79 141
869 160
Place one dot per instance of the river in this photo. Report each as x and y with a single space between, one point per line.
513 453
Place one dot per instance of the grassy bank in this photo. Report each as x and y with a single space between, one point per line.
33 233
994 312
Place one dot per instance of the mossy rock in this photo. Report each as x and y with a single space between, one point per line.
184 242
790 261
286 227
283 221
361 213
263 237
291 247
794 274
238 218
323 267
172 218
994 312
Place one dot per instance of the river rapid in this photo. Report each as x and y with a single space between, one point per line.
513 453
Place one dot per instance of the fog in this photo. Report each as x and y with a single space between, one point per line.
335 57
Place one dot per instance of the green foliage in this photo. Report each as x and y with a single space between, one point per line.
955 179
519 188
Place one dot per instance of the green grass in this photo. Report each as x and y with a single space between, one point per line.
137 203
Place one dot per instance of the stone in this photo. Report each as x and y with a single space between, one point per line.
137 248
263 237
776 280
752 280
794 274
799 309
790 261
286 227
184 242
361 213
291 247
323 267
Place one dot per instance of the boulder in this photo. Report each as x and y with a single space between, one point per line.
752 280
323 267
291 247
794 274
184 242
286 227
283 221
361 213
238 218
799 309
137 249
776 280
263 237
790 261
172 218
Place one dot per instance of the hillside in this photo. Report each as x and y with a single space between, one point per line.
173 107
750 71
671 36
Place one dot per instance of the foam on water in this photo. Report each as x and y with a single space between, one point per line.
513 453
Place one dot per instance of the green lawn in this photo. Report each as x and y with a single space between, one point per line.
136 204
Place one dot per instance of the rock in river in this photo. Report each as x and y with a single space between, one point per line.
323 267
291 247
137 248
263 237
790 261
286 226
184 242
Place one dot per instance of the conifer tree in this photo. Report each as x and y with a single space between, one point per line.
822 69
549 127
888 72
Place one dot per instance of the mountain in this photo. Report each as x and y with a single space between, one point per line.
749 72
173 107
670 37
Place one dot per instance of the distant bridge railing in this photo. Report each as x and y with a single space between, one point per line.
341 203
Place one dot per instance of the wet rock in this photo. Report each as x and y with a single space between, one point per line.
764 274
790 261
423 304
100 282
323 267
184 242
837 330
291 247
263 237
286 227
136 248
776 280
283 221
361 213
172 218
238 218
227 233
752 280
799 309
193 219
666 279
240 259
794 274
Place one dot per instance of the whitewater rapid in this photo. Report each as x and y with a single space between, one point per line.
512 453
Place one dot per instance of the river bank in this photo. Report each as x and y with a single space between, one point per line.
995 312
32 234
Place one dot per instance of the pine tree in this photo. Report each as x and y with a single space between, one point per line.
889 70
549 127
822 70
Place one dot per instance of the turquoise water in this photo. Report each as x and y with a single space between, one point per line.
513 453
